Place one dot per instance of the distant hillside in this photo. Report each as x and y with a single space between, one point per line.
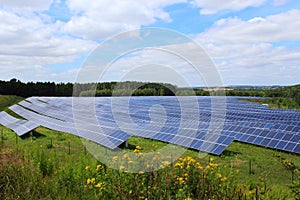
290 92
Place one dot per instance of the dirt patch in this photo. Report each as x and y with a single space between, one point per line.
236 162
8 156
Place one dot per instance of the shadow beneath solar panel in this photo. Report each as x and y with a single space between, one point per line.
34 134
228 153
129 146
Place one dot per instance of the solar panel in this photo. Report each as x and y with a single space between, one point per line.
118 118
20 127
93 133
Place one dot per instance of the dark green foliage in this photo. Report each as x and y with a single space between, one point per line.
288 97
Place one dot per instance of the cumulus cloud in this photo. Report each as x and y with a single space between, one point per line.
27 5
279 2
31 41
32 37
273 28
28 45
100 19
214 6
182 64
246 51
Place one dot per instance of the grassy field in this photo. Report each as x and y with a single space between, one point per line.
8 100
56 165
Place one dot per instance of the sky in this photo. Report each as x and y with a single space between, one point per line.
250 42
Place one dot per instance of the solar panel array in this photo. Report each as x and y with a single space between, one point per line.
207 128
20 127
106 137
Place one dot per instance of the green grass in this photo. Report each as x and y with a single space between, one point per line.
266 164
9 100
272 103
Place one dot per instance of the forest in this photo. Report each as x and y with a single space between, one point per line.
289 95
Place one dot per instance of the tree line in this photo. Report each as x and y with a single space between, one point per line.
16 87
283 96
133 88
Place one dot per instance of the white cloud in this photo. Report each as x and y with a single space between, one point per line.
21 36
214 6
100 19
182 64
279 2
27 45
274 28
245 51
26 5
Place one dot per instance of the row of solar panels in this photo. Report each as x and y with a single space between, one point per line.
247 126
235 114
240 116
20 127
208 116
291 128
284 125
198 142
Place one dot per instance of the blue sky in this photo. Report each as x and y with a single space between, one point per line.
250 42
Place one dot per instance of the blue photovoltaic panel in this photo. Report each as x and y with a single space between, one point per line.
121 117
20 127
92 133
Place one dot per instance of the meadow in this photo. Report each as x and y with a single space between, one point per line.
55 165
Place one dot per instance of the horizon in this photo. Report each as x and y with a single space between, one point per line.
224 86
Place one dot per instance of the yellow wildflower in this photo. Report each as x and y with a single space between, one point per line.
115 158
99 185
88 181
98 167
213 164
138 147
87 168
178 164
121 167
180 180
219 175
186 174
136 151
166 163
198 165
141 172
125 156
93 180
224 179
